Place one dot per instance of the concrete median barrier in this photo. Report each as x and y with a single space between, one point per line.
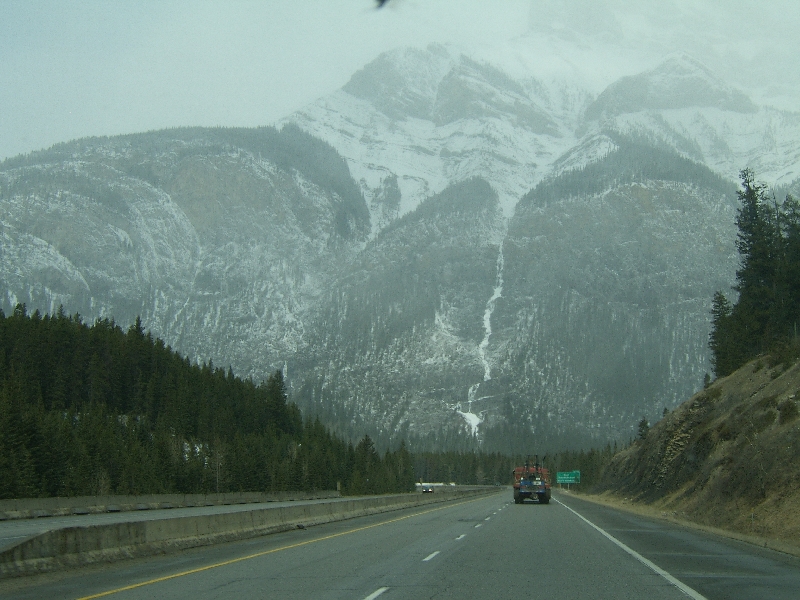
26 508
75 546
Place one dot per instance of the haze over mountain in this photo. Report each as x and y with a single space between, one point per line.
73 70
454 254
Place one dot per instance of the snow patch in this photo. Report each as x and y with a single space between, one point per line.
472 420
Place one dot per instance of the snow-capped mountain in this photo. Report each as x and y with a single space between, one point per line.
461 118
418 120
603 305
453 254
681 104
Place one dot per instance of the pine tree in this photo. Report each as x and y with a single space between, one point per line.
276 398
644 428
720 341
758 243
789 275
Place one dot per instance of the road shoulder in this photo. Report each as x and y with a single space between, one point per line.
644 510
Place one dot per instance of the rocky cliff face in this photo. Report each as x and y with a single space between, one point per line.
398 335
455 256
605 309
212 236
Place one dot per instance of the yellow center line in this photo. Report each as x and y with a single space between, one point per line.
265 552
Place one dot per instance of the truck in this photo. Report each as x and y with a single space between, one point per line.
531 480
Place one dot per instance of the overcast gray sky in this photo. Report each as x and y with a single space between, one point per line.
71 69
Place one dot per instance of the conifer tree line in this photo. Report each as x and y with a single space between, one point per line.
465 467
764 318
590 463
95 410
478 468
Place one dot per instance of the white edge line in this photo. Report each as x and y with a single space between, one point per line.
376 593
430 556
678 584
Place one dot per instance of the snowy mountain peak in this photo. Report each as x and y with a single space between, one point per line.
415 120
678 82
442 87
473 90
403 82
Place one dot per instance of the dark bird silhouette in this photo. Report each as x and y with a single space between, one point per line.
381 2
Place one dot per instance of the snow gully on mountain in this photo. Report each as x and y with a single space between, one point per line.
472 419
487 316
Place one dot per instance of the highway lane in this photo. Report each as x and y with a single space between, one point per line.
482 548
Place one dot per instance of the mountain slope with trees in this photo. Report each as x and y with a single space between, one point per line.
381 248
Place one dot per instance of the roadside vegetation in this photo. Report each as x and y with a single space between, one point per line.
728 458
764 318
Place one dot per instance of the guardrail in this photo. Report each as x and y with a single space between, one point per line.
75 546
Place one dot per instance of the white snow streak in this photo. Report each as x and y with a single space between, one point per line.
472 419
487 316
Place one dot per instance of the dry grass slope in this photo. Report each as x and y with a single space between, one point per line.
728 458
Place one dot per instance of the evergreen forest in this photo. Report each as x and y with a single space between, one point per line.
765 316
95 410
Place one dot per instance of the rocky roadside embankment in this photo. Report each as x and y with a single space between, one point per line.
727 459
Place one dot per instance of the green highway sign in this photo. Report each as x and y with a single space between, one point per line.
568 477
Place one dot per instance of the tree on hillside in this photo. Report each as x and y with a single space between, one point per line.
644 428
789 274
723 354
768 280
758 243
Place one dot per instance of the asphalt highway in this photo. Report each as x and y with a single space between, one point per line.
479 548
